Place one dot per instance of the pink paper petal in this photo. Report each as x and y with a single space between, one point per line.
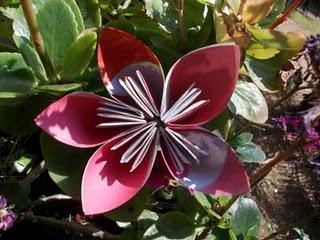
73 118
219 173
121 54
214 70
107 183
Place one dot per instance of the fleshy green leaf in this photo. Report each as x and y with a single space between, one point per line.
59 90
58 28
22 115
250 152
16 81
246 218
65 164
241 139
78 56
90 12
131 210
11 62
19 25
172 225
31 57
77 14
248 101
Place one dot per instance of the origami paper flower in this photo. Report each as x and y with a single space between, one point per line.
150 122
7 216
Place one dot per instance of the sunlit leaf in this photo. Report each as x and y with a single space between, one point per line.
255 10
90 12
248 101
293 41
58 28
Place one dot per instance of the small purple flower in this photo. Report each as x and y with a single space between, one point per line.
301 123
7 216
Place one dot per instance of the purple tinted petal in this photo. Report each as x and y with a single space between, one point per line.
219 171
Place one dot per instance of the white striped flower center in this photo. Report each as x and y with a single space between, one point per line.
150 126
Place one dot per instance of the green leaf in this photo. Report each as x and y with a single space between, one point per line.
90 12
172 225
259 51
77 14
264 73
248 101
58 27
206 201
278 7
65 164
16 81
250 152
22 115
131 210
16 193
246 218
31 57
59 90
241 139
15 85
293 41
78 56
22 162
19 25
11 62
165 12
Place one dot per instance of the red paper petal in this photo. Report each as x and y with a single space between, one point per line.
107 183
121 54
214 70
73 118
219 173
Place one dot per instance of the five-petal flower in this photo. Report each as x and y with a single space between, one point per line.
150 122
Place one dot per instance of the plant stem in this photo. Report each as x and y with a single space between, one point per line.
283 155
284 16
33 26
84 230
36 35
183 38
288 227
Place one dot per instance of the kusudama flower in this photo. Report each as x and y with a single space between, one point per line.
150 122
7 216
